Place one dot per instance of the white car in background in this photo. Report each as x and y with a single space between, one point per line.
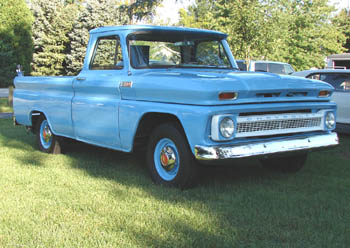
271 66
266 66
340 79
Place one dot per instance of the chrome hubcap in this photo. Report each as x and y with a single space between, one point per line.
47 134
168 158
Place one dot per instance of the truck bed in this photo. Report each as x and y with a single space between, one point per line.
47 95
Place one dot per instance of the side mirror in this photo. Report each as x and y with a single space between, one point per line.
19 71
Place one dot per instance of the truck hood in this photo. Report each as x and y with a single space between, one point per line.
203 87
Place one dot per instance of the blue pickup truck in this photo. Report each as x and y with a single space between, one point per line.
178 94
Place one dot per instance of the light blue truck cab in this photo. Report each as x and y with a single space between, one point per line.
177 93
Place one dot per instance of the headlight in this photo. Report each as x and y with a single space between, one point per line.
227 127
330 120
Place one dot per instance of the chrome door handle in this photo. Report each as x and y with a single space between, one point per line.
81 78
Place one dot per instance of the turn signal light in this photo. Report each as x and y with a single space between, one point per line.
324 93
228 95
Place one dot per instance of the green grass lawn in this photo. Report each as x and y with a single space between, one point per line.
4 108
92 197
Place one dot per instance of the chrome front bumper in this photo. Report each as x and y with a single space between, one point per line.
266 148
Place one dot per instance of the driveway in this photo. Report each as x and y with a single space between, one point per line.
5 115
4 92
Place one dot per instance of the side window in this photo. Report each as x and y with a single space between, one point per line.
261 67
288 69
107 55
314 76
341 81
276 68
242 65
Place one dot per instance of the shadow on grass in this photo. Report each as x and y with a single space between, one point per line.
242 195
101 162
129 168
93 159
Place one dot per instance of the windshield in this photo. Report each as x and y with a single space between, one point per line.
150 50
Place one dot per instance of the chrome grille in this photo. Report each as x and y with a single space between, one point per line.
249 126
277 125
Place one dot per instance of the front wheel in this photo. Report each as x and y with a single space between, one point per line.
169 158
288 164
47 141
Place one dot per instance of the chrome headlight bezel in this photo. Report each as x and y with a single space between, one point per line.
221 133
329 120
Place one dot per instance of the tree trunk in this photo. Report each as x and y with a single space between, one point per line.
10 97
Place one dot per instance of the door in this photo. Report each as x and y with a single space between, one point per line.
96 100
341 95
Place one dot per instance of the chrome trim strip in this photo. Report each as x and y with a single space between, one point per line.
266 148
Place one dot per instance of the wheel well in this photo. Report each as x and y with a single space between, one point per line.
146 125
35 116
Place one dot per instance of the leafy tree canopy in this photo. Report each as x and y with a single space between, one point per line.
61 29
139 9
53 20
92 14
298 32
342 21
15 39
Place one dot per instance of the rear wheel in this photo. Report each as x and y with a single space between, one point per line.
288 164
47 141
169 158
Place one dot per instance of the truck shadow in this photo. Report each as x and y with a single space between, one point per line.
130 168
101 162
228 195
231 172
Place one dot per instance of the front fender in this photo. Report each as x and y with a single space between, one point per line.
192 119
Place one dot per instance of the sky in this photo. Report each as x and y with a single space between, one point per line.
168 12
340 4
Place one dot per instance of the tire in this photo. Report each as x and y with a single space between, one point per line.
290 164
47 141
169 158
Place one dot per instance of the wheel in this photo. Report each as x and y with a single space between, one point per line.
169 158
288 164
47 141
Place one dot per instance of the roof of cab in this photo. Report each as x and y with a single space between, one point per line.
152 27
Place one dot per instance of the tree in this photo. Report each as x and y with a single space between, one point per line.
310 36
15 39
53 21
248 23
92 14
342 21
298 32
139 9
61 29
